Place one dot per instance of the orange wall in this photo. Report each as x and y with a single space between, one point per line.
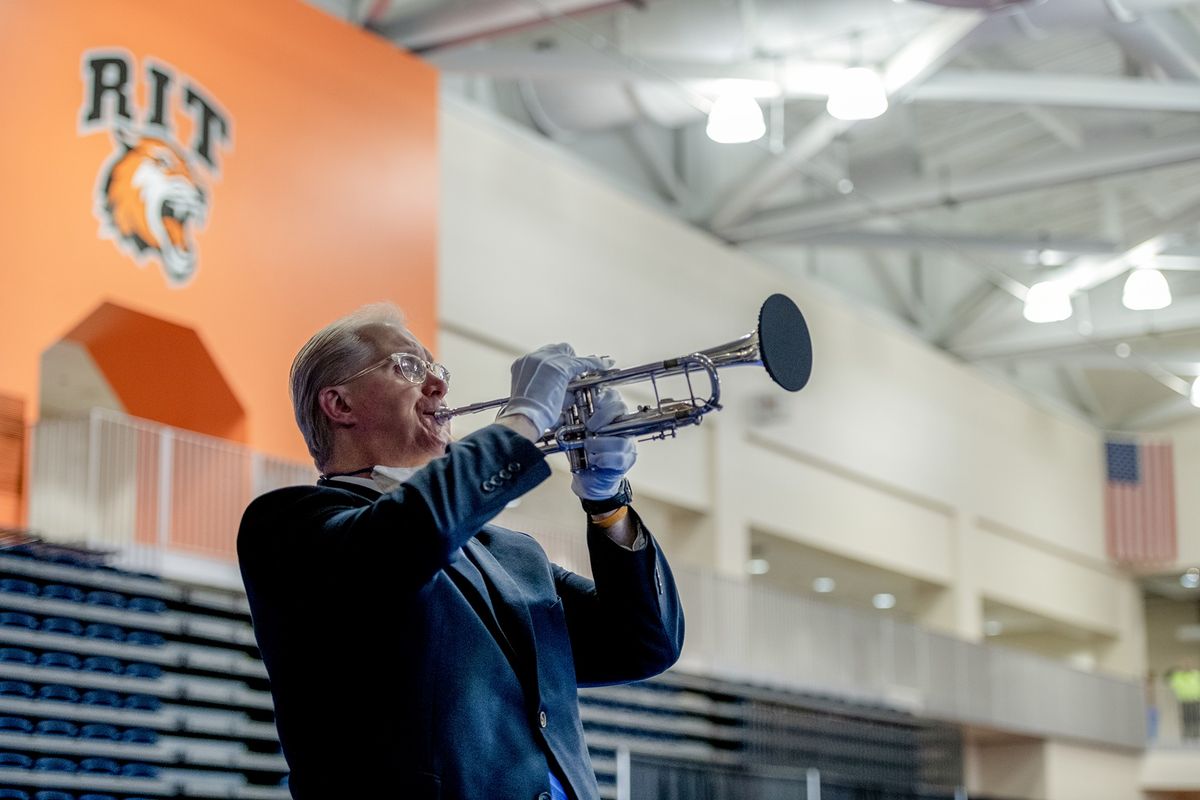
325 198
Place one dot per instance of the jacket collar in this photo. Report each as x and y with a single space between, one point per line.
355 488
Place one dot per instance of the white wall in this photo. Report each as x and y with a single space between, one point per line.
1051 770
1187 476
894 454
1076 772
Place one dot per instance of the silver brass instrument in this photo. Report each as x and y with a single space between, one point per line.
781 344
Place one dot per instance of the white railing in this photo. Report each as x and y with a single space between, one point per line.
764 636
1165 719
114 481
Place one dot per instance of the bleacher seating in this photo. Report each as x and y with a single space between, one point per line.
121 686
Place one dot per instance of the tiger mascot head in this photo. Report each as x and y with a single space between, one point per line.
150 197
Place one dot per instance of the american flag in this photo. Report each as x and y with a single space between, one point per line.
1139 502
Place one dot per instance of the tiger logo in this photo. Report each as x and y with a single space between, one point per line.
149 199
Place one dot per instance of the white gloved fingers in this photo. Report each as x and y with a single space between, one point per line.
581 364
607 406
525 367
609 458
611 453
539 382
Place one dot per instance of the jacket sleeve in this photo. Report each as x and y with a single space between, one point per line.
414 530
627 625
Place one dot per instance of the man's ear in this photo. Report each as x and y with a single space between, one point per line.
336 406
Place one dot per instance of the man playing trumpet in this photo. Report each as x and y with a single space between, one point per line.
414 650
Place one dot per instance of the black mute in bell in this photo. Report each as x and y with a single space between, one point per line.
784 342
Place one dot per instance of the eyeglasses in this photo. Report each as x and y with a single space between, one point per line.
412 368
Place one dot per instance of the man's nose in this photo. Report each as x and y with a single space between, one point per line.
433 386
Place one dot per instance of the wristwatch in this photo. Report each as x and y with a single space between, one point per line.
623 497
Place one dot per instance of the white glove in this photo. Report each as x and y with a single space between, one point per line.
609 457
539 382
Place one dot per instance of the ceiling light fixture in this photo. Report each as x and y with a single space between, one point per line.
1047 301
884 601
1195 395
858 93
735 118
824 585
1190 579
1145 290
758 566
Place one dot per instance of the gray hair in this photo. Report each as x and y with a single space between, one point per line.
333 353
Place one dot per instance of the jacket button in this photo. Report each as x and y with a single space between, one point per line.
544 796
487 485
505 474
543 720
514 467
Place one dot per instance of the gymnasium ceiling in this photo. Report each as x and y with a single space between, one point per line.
1025 141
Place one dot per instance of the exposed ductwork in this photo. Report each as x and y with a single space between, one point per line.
666 67
463 23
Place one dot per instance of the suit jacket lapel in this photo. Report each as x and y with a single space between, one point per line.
514 614
478 574
471 583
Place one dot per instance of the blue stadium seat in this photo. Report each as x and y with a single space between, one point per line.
68 560
57 727
138 670
54 764
99 766
15 655
101 697
15 619
98 730
146 639
13 794
58 591
16 689
149 575
136 770
17 586
15 761
102 598
102 664
147 605
15 725
102 630
143 702
53 794
65 625
59 660
58 693
140 736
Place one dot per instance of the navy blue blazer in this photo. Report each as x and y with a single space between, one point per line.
415 651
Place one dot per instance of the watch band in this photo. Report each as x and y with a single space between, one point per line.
623 497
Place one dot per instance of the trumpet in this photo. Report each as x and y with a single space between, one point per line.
780 343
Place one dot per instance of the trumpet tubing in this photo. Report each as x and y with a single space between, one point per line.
780 343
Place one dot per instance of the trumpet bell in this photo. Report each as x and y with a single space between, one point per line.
784 344
780 344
